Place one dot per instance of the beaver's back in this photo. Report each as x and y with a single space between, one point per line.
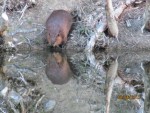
58 23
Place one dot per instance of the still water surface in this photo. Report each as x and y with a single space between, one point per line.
74 82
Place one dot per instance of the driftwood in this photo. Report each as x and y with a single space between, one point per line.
111 21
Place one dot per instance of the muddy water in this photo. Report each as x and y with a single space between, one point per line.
45 82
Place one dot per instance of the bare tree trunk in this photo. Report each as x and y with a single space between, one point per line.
147 16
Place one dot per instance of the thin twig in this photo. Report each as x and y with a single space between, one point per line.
22 78
23 11
38 102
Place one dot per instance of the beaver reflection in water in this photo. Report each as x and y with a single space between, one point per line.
58 69
58 26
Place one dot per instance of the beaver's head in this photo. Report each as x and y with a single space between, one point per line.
54 40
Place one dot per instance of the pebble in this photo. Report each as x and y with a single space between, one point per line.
4 92
49 105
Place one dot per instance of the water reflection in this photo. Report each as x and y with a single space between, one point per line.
117 87
109 83
124 84
57 68
146 68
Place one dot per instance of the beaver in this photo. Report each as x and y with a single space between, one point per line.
58 26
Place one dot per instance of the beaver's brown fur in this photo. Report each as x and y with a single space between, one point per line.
58 26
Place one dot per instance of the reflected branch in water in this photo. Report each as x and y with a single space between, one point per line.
109 83
146 67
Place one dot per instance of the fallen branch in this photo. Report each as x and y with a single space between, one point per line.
119 10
